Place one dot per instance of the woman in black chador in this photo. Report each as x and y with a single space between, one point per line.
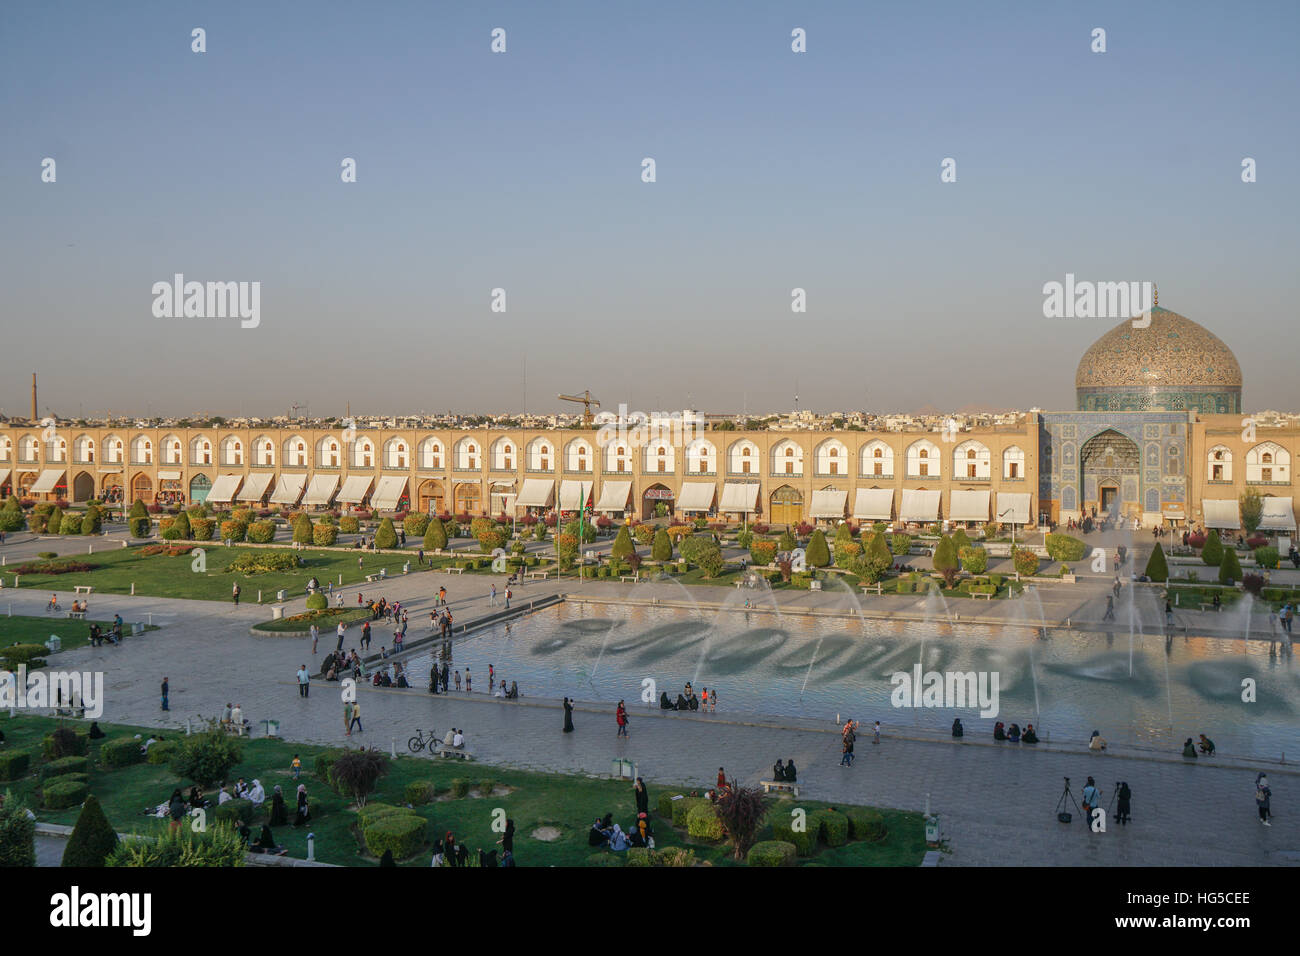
1124 805
568 716
279 814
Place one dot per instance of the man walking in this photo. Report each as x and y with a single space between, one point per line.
875 733
442 597
234 593
304 681
347 717
508 596
338 648
315 636
1110 609
492 598
356 719
164 694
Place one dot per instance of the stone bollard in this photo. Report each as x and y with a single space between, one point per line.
311 848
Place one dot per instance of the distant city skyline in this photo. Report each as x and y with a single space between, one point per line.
522 171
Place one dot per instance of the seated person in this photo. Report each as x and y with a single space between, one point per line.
384 679
999 733
694 702
1189 749
682 704
957 729
95 732
500 690
266 843
1013 734
402 681
778 770
196 800
598 835
514 691
378 678
664 702
1098 742
1029 736
256 794
618 841
451 736
790 771
245 835
458 740
1207 745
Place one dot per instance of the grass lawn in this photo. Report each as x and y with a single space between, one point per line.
21 629
325 621
160 575
566 802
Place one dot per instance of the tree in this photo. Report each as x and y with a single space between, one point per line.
355 772
1157 566
17 834
946 560
206 757
435 536
662 548
1212 552
786 542
181 526
1025 561
1252 510
11 516
974 559
741 810
55 524
960 540
302 529
818 555
1230 568
623 547
139 522
93 838
843 535
871 565
386 536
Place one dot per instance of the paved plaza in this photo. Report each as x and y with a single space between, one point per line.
996 802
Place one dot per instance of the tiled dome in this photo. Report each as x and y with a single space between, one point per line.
1171 358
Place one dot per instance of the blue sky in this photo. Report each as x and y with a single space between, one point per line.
522 171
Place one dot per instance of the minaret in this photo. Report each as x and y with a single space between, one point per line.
35 416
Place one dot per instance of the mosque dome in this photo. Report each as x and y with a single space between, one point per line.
1173 364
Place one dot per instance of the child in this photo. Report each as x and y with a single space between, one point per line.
296 766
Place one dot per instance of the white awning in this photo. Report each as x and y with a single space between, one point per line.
355 490
536 493
321 489
288 489
169 476
255 486
874 504
389 492
829 503
968 505
738 498
1278 515
46 482
574 494
4 475
224 488
919 505
614 495
1013 507
1221 513
696 496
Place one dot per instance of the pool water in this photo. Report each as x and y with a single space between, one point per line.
1067 683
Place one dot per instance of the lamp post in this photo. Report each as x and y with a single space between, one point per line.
1013 529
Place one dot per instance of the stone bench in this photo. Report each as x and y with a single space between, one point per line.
83 588
784 786
634 578
538 574
451 570
872 587
79 615
980 594
442 750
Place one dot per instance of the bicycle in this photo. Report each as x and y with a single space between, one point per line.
419 741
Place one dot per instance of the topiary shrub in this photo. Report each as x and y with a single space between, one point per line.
206 757
1266 556
232 530
261 532
666 803
771 853
1025 561
71 524
324 535
945 560
55 521
161 753
1212 552
17 834
402 833
302 529
14 764
234 812
817 555
63 792
415 524
121 752
762 552
348 524
702 822
459 788
865 824
1229 567
201 528
683 807
92 839
316 601
386 536
180 527
606 859
65 742
804 841
1157 567
1063 547
420 792
831 826
974 559
65 765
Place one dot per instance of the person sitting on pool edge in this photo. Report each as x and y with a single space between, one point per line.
1207 746
1029 736
664 702
1013 735
957 729
1097 742
1189 749
999 733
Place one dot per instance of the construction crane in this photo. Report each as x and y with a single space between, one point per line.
586 401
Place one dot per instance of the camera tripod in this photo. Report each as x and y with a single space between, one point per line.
1061 814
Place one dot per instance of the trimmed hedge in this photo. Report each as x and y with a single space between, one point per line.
65 742
420 792
65 765
233 811
372 813
831 826
121 752
865 824
317 601
459 788
233 530
16 654
402 833
14 764
702 822
665 804
683 807
771 853
324 535
804 841
63 792
261 532
160 753
348 524
324 761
